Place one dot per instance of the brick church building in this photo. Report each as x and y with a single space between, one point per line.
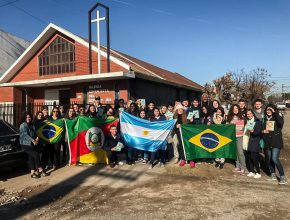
55 68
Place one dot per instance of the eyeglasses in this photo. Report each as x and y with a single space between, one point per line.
54 111
82 109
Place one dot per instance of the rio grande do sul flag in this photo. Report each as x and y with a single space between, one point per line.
86 138
208 141
51 131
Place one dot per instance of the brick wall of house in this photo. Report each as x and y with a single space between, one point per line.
30 70
6 94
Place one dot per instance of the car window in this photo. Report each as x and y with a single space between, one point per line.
6 129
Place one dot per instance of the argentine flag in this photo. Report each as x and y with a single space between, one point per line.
145 135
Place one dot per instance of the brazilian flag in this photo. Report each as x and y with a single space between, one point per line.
51 131
208 141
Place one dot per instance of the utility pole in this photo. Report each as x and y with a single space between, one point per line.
283 93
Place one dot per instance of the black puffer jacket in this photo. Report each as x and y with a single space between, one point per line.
274 139
255 137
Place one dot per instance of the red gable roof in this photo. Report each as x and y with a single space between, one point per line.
142 67
165 74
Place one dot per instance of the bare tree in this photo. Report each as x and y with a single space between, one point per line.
236 85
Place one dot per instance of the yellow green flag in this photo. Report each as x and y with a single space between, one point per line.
209 141
51 131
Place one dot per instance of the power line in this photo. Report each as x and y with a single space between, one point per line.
8 3
28 13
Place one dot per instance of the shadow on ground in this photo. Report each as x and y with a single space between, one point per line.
60 190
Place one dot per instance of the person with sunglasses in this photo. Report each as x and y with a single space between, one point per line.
28 141
82 111
41 148
54 149
110 112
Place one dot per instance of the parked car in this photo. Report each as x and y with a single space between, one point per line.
281 106
11 154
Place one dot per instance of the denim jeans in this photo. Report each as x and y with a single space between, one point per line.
155 155
241 161
146 155
273 154
132 155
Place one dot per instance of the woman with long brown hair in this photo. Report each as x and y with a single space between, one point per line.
235 117
28 141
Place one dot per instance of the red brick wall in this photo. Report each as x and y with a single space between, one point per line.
6 94
10 94
17 95
30 70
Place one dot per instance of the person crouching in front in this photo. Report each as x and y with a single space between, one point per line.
113 146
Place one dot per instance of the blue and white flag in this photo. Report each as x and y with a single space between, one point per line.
145 135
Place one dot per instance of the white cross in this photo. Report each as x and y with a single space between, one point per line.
98 19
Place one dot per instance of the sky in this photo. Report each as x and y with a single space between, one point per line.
201 39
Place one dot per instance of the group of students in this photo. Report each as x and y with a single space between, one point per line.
253 137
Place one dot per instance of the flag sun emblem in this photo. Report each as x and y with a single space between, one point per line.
145 132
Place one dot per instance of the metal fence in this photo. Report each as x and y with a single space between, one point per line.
13 113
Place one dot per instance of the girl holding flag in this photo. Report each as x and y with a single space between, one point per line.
218 118
180 116
157 117
55 148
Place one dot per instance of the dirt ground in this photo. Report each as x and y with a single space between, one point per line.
134 192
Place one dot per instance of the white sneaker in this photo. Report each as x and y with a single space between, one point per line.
257 176
251 174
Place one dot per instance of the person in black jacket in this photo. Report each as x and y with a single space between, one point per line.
273 124
251 145
133 109
150 109
197 112
112 142
243 108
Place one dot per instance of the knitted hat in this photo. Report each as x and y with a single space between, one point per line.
177 106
